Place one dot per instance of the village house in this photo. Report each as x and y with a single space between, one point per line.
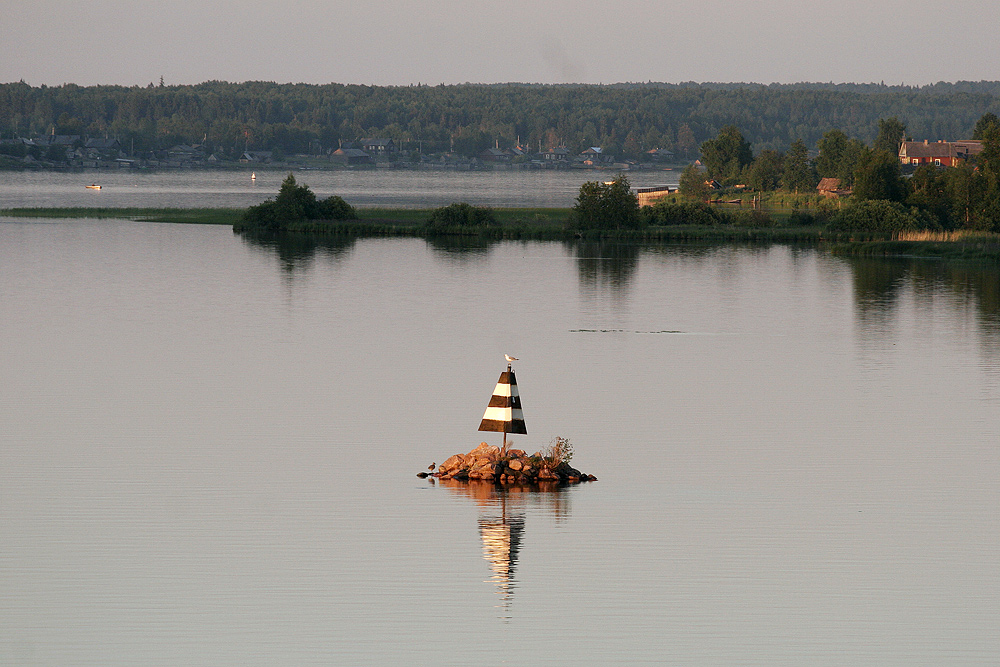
67 140
378 146
494 155
830 188
940 153
553 155
594 155
183 155
256 156
350 156
104 146
518 151
660 155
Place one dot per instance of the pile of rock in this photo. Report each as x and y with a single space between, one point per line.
515 467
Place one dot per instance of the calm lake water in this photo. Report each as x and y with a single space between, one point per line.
366 188
209 450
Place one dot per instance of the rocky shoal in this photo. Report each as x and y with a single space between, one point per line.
486 463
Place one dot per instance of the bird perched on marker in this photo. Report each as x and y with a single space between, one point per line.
509 358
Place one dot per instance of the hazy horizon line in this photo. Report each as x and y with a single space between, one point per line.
422 84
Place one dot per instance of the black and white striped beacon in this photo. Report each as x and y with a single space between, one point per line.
504 414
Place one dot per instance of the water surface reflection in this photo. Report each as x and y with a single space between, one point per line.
883 286
502 516
606 265
296 252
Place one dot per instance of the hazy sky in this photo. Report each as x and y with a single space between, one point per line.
453 41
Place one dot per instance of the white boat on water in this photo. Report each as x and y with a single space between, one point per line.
93 186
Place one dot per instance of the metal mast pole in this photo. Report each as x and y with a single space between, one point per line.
503 450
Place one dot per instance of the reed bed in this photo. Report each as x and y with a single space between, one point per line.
954 236
201 216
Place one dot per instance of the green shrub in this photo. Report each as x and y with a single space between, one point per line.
610 205
881 216
686 213
335 208
800 218
296 203
461 215
752 219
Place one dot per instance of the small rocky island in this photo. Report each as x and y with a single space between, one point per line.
501 465
489 463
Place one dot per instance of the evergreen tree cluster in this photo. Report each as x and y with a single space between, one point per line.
624 119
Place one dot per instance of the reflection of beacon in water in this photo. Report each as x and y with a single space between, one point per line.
501 543
502 521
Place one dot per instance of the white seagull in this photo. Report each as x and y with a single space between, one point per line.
509 358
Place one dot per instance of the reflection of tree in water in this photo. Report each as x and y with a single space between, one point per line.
502 522
459 249
606 264
297 251
981 285
877 285
880 282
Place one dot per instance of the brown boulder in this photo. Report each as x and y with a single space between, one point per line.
485 450
451 463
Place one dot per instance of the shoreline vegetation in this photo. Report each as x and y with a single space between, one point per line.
605 211
610 211
551 224
896 197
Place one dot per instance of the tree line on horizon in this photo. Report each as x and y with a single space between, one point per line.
624 119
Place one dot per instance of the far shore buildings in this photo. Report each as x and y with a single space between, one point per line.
553 155
350 156
263 157
940 153
374 146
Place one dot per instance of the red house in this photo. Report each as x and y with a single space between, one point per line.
940 153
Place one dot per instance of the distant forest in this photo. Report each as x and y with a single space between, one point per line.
623 119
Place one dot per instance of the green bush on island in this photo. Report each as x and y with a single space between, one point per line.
606 206
800 218
294 204
460 215
682 213
881 216
696 213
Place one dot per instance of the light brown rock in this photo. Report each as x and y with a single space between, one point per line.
451 463
484 450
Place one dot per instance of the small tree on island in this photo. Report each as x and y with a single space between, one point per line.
610 205
692 183
296 203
